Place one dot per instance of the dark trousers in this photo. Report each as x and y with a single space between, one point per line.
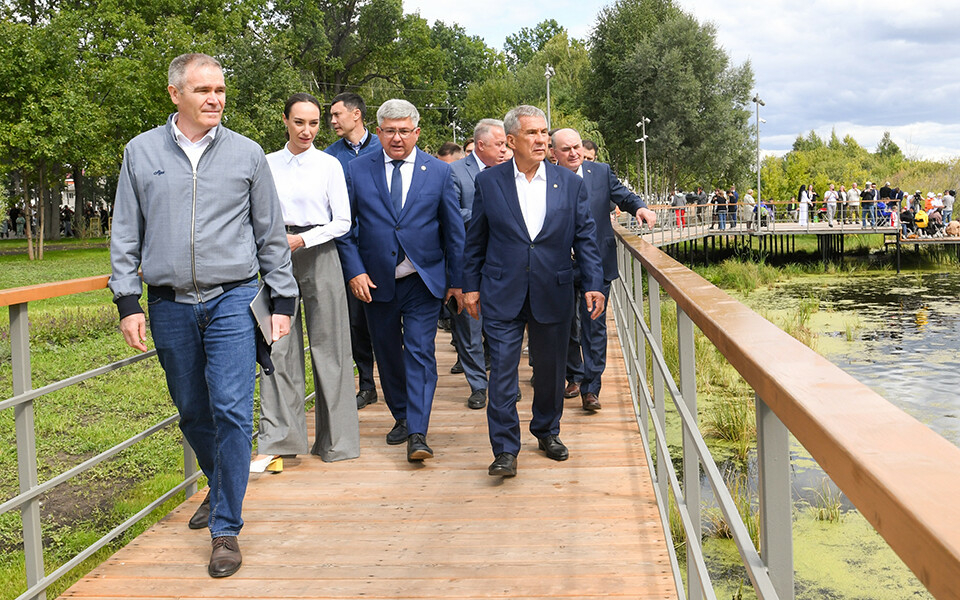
403 332
548 352
360 343
593 342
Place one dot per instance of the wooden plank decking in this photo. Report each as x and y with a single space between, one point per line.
380 527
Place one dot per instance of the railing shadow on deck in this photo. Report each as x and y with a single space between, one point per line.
897 472
28 500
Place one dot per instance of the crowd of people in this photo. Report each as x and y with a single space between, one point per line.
368 239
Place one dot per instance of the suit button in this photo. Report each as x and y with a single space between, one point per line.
531 246
393 254
397 228
528 269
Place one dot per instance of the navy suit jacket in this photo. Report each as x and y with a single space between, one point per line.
465 173
603 187
429 227
506 266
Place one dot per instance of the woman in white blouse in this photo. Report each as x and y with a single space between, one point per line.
804 198
316 210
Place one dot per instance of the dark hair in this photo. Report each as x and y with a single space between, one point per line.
352 102
297 98
590 145
449 148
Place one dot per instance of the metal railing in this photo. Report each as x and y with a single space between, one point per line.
898 473
22 403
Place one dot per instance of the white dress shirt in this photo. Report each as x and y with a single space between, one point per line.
533 198
312 191
193 150
480 163
406 176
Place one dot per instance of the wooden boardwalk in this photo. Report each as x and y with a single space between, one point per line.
380 527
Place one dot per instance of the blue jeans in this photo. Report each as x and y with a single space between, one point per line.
872 211
722 215
208 353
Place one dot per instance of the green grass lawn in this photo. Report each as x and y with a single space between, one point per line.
69 336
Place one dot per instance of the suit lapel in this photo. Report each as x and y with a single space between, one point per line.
420 170
379 172
553 199
509 188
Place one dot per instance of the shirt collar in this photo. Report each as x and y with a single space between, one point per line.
580 171
359 144
177 134
410 158
289 157
541 172
480 163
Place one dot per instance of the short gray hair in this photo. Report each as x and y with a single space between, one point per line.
484 126
177 73
397 109
511 122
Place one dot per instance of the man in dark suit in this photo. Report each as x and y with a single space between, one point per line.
490 149
527 217
603 188
401 257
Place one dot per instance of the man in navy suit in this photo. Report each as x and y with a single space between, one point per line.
527 217
602 189
401 257
490 149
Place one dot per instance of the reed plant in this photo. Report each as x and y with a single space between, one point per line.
828 503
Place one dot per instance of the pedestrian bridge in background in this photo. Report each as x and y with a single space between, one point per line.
594 526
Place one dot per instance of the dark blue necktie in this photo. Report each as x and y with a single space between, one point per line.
396 186
396 196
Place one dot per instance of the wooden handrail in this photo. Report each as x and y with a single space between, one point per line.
899 473
43 291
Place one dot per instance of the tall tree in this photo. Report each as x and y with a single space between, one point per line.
520 47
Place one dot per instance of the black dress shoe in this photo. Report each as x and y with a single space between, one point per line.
365 397
398 434
553 447
225 559
201 518
417 448
505 465
457 368
477 399
591 402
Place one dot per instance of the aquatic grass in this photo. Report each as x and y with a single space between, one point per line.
747 507
829 502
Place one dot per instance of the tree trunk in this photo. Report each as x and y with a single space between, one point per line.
27 215
40 209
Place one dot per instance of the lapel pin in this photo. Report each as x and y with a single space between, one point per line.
554 185
423 167
589 171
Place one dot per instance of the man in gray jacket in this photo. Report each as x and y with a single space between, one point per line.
197 211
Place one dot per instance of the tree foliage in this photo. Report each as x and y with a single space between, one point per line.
521 47
650 59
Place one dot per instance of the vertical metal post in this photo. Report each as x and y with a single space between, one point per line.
189 466
26 446
691 463
639 339
656 330
776 526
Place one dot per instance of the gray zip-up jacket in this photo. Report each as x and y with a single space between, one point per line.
194 232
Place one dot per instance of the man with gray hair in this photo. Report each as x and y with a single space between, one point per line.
197 210
401 257
490 149
527 217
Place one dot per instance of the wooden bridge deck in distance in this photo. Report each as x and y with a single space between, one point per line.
380 527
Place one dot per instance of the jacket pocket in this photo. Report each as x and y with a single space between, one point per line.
564 277
491 271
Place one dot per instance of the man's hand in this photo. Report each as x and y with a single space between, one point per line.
595 302
360 287
134 330
471 303
295 242
458 294
279 325
645 214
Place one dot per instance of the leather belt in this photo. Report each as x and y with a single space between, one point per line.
298 229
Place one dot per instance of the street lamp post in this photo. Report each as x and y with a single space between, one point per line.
453 126
642 124
550 72
759 103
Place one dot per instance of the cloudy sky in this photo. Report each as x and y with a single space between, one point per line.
860 67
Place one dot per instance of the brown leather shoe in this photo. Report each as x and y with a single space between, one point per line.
202 516
225 559
591 402
572 390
